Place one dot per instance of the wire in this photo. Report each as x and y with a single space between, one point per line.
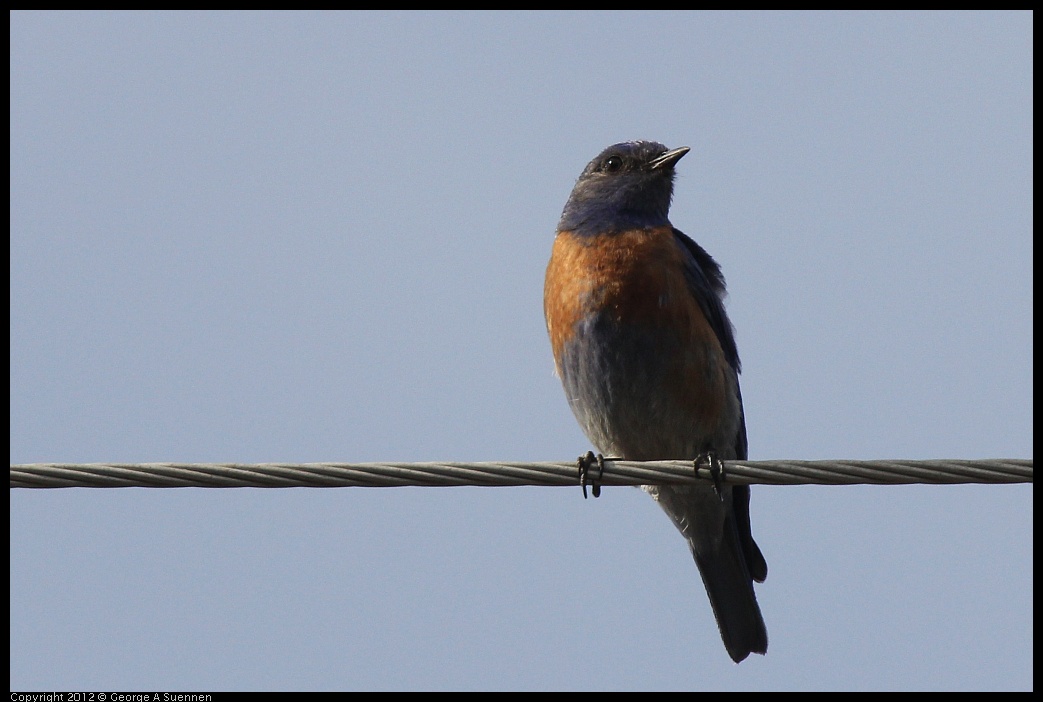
499 474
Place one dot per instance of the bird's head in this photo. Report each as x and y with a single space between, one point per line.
627 186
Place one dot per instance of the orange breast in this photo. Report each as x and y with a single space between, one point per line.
636 276
637 279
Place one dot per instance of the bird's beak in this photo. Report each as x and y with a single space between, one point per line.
668 159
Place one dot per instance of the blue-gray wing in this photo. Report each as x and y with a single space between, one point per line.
707 285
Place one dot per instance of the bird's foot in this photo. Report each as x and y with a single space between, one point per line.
584 463
715 467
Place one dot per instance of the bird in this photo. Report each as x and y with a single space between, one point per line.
647 357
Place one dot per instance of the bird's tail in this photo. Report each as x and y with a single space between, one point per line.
729 585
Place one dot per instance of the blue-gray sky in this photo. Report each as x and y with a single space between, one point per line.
322 237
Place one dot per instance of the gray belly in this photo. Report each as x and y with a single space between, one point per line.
621 382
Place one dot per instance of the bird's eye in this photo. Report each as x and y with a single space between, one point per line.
612 164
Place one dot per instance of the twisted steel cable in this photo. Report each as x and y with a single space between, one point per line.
500 474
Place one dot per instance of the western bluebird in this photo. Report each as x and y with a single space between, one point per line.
647 357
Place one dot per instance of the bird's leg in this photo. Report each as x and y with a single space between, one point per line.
716 468
584 464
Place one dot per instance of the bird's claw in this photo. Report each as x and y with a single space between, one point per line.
584 464
715 467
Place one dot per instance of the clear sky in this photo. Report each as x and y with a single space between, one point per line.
322 237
